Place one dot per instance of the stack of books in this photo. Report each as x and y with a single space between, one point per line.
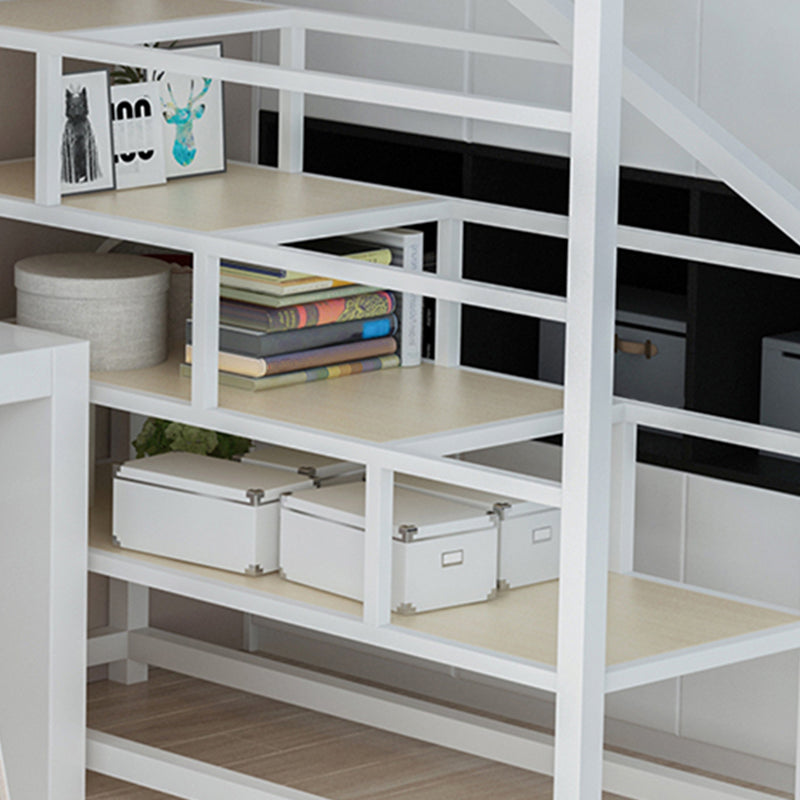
279 327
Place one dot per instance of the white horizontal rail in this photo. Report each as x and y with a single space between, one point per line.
492 434
508 744
360 703
344 222
269 76
703 657
105 645
731 431
176 775
262 18
642 240
431 36
174 579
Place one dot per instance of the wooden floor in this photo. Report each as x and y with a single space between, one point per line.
286 744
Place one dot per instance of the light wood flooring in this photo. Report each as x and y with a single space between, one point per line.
289 745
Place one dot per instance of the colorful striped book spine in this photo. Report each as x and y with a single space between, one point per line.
251 342
302 376
305 359
340 309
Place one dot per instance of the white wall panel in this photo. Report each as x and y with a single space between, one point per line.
744 540
660 511
749 66
750 707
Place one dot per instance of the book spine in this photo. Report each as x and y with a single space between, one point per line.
274 288
305 359
341 309
407 247
277 301
250 342
302 376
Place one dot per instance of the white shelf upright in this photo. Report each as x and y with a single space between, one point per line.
44 412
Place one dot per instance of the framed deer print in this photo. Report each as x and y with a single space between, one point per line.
87 157
138 136
192 119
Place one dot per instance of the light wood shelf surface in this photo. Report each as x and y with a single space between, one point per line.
645 618
56 15
242 196
378 406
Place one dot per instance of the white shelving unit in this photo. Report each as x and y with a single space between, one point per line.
590 633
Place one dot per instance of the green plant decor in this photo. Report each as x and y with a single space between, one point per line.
122 73
162 436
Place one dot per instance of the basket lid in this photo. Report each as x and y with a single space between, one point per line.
312 464
430 515
91 275
212 476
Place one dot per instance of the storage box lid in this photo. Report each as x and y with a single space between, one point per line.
473 497
417 515
216 477
91 275
786 342
313 465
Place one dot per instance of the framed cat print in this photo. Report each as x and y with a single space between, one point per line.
192 118
87 153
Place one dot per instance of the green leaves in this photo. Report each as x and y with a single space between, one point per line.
162 436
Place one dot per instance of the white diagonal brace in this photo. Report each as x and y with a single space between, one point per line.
687 124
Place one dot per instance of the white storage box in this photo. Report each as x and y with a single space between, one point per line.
529 533
444 552
201 509
117 302
321 469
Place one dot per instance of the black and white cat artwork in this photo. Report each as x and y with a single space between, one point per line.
80 161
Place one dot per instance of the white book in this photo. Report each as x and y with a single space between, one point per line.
407 249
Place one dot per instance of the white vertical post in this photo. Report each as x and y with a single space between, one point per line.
596 87
128 609
49 103
291 105
449 263
378 546
205 330
66 570
623 499
797 751
255 97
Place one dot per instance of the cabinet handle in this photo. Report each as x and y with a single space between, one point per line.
646 348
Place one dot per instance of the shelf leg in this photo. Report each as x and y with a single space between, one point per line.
378 546
583 585
291 105
49 102
251 634
623 499
449 262
128 609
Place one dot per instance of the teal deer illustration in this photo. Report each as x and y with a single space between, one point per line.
183 117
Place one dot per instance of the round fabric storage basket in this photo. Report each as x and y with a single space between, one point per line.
117 302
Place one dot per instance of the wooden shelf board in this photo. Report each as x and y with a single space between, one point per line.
645 618
377 406
55 15
242 196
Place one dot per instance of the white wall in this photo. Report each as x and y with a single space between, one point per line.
738 60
